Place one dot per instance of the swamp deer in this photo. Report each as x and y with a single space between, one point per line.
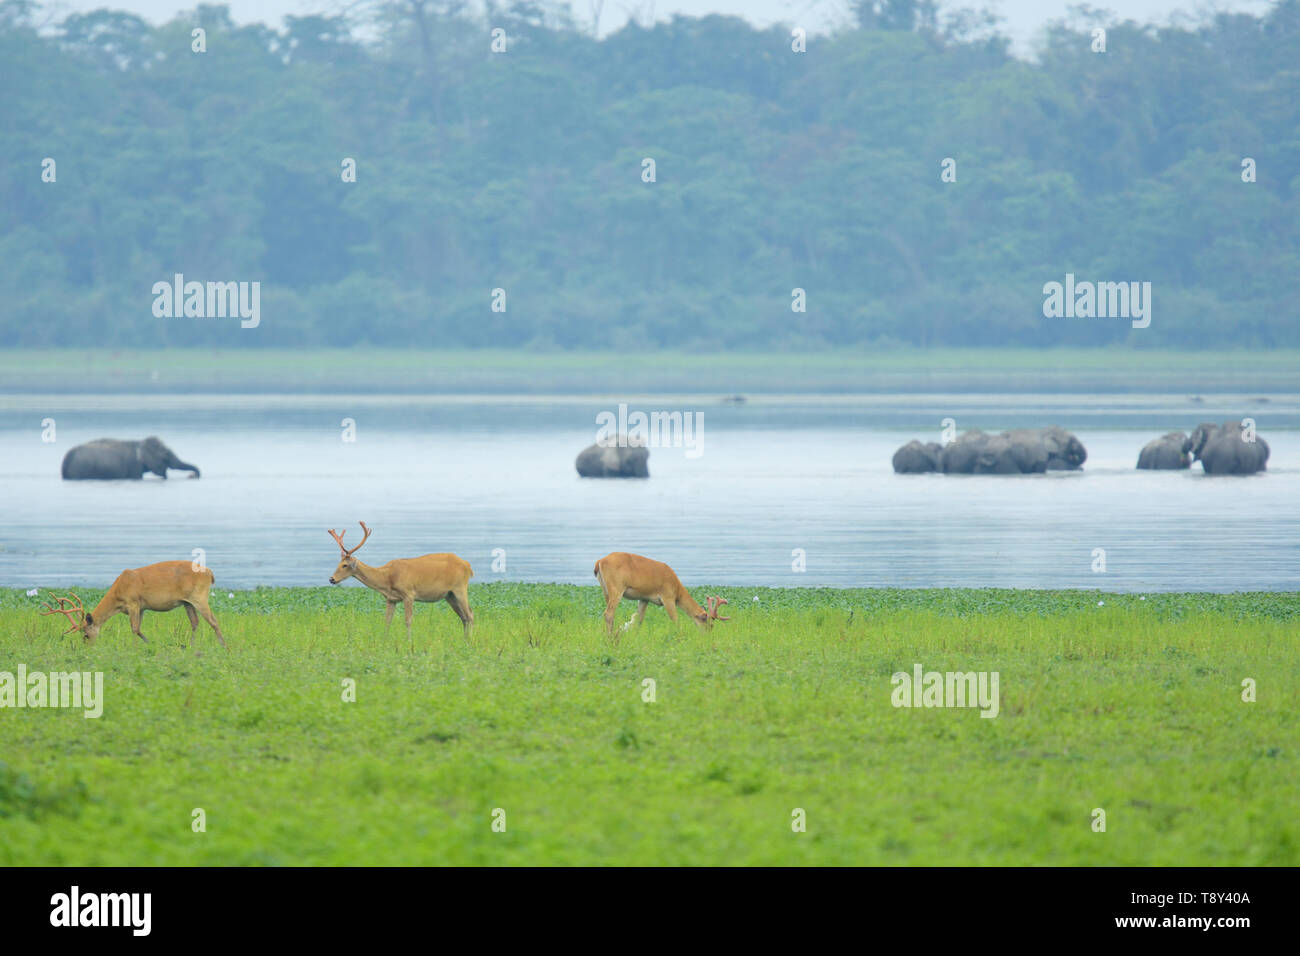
428 579
651 582
157 587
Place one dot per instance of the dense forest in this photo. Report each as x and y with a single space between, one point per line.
523 169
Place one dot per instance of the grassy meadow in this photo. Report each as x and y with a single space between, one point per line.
1125 703
389 370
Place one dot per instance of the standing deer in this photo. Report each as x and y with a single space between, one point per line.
428 579
651 582
157 587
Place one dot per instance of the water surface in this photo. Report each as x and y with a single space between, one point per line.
778 473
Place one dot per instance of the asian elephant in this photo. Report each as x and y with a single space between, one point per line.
1226 450
1021 451
915 458
1064 451
108 459
1003 455
961 455
1166 453
626 458
1035 450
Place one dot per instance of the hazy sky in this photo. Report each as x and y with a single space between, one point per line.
1023 18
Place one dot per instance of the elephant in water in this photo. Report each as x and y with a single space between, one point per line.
1030 451
915 458
1169 452
961 455
1064 451
1021 451
108 458
1003 455
1226 450
626 458
1033 451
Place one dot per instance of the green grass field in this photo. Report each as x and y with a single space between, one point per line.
1134 706
356 370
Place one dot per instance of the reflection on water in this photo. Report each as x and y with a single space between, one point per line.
471 475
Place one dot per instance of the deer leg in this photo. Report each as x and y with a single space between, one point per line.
463 598
638 618
194 620
611 610
388 615
408 604
136 614
670 608
211 619
459 601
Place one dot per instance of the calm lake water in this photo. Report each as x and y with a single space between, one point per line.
474 474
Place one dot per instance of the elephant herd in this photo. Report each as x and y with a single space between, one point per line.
1022 451
1228 449
1232 448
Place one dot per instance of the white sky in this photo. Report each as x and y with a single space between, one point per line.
1022 18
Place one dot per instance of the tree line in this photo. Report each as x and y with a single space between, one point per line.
517 179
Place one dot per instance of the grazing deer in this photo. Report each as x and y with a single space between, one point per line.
428 579
651 582
158 587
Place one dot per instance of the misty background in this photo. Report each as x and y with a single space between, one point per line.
522 171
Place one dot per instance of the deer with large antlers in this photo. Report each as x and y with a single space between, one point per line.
157 587
428 579
651 582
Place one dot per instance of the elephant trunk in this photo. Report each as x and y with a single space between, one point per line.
186 466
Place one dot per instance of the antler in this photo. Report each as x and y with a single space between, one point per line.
714 604
338 537
68 607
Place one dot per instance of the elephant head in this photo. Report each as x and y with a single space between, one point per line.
1200 435
916 458
1228 449
157 457
1169 452
1064 450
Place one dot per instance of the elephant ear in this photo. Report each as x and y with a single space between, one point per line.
154 455
1201 435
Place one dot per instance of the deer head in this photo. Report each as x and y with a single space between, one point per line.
72 609
711 614
347 564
